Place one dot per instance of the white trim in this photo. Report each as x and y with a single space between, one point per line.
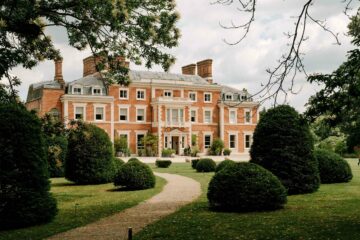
211 139
140 107
143 90
205 93
77 86
233 110
136 140
127 113
195 96
103 106
236 134
83 105
127 93
251 140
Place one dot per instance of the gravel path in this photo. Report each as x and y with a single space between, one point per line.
178 192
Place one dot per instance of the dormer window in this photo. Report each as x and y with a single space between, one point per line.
96 91
77 90
243 98
228 97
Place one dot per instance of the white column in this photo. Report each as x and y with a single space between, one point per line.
159 131
190 126
222 122
112 122
66 112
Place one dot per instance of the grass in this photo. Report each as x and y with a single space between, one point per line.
92 202
333 212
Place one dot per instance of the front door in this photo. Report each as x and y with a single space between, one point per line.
175 144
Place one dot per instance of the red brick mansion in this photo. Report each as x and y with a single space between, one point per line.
171 106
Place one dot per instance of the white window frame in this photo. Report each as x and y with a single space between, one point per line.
195 94
168 91
250 140
230 111
127 93
77 86
247 110
127 112
137 137
83 105
207 93
96 88
138 108
104 112
211 140
236 140
196 115
168 117
137 96
226 97
211 115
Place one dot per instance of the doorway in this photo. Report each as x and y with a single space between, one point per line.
175 144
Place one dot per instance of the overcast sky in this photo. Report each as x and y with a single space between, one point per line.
241 66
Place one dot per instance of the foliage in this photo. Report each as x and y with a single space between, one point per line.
353 139
56 144
121 146
167 152
135 175
224 164
25 198
282 143
137 30
133 160
194 151
187 151
216 147
334 144
227 152
162 163
206 165
89 159
322 129
118 163
150 142
243 187
193 139
332 167
194 162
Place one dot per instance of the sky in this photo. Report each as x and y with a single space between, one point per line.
241 66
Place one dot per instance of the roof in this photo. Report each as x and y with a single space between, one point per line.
227 89
46 84
90 80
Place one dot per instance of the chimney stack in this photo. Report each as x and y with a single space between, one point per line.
189 69
204 70
91 62
58 72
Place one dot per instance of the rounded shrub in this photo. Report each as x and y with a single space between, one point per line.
333 168
227 152
133 160
206 165
89 158
224 164
244 187
25 198
282 143
118 163
163 163
135 175
194 162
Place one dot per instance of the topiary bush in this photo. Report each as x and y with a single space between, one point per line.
282 143
163 163
332 167
206 165
227 152
167 152
194 162
224 164
135 175
244 187
24 178
118 163
133 160
89 158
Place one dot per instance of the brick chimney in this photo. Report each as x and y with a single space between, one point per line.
204 70
189 69
58 72
91 62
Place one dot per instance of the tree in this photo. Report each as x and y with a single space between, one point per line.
137 30
282 77
283 144
24 181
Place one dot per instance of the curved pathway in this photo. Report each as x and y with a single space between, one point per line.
178 192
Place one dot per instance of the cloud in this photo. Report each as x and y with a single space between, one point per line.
242 65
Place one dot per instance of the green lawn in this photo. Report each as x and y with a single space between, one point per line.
93 202
333 212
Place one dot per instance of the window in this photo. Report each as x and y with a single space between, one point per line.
183 142
139 141
79 113
125 136
140 94
166 142
232 116
175 116
193 115
247 116
167 93
140 115
192 96
248 141
123 114
123 94
232 141
228 97
243 98
99 113
207 97
96 91
207 116
77 90
207 141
